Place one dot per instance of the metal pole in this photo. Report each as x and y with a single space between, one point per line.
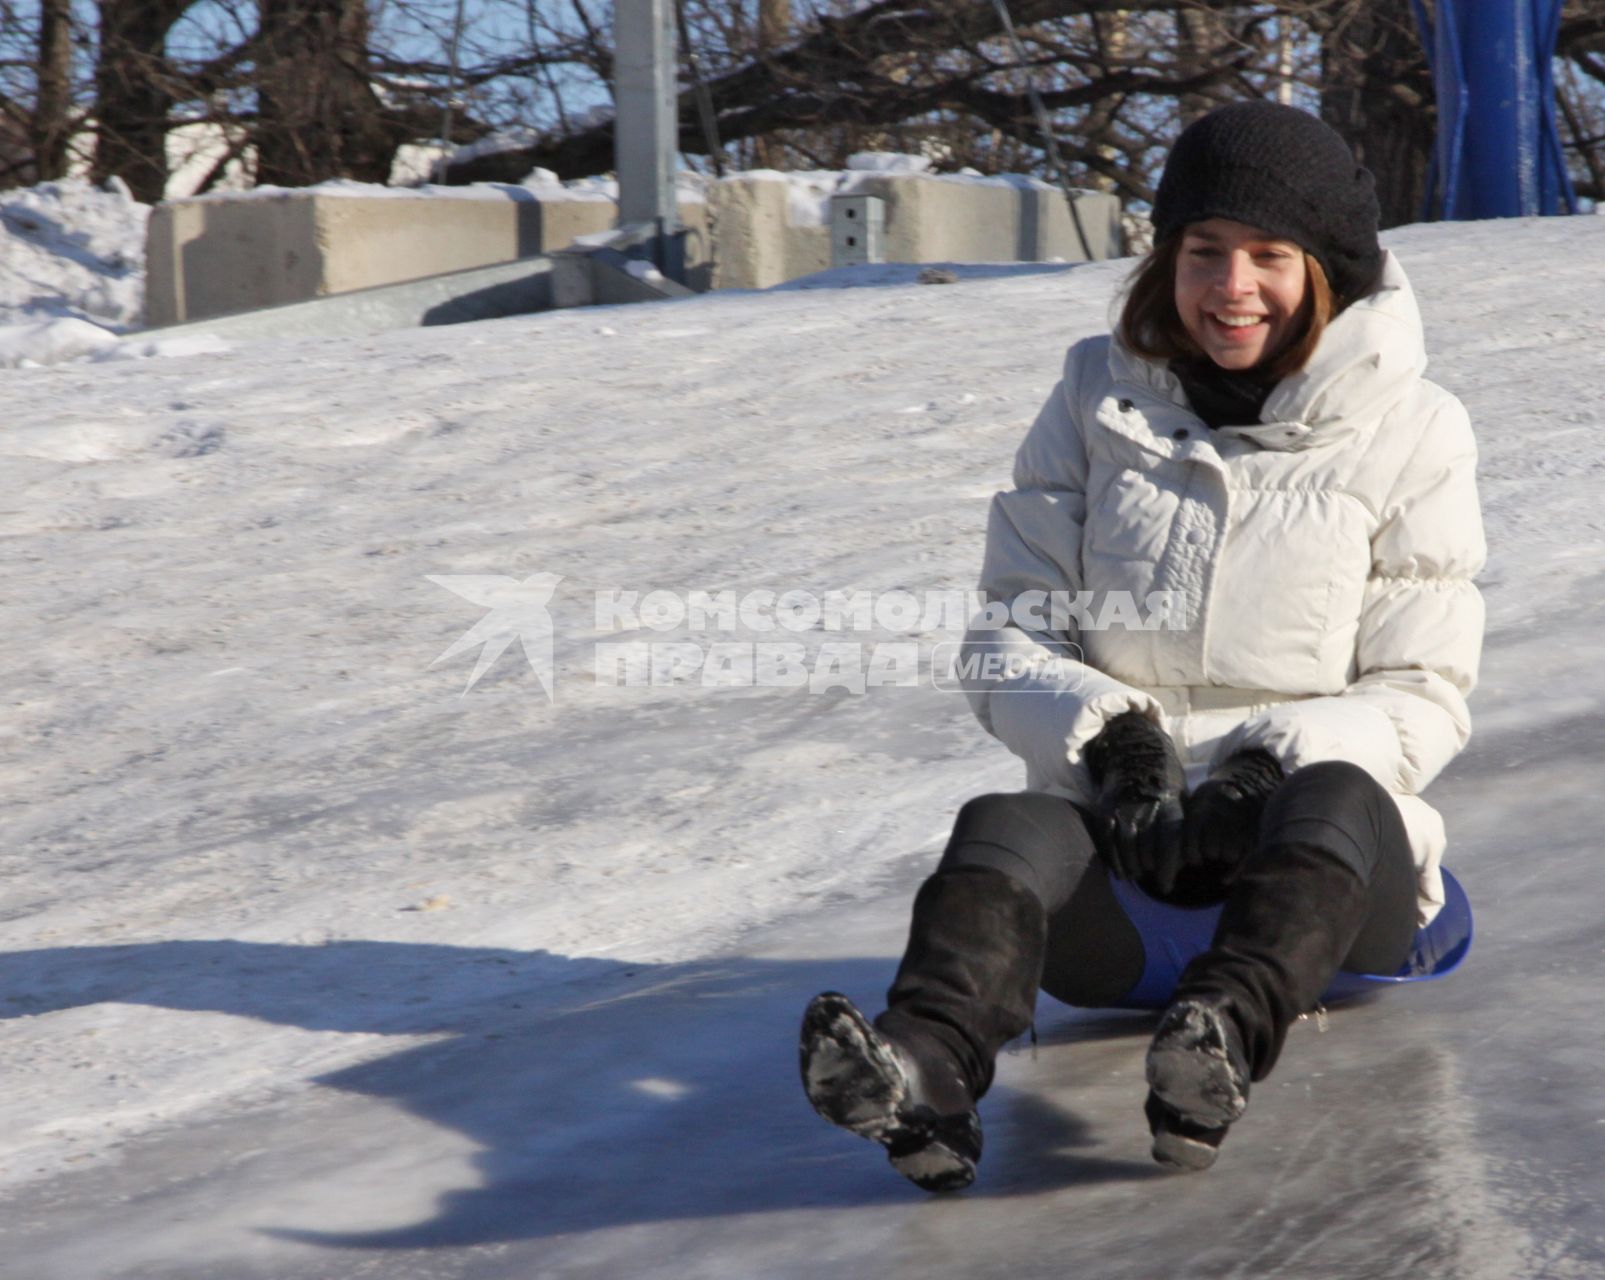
444 164
645 126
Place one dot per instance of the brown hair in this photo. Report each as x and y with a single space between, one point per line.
1149 325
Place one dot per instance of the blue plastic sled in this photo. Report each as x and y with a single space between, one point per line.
1171 936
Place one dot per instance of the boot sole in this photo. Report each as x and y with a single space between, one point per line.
1189 1068
855 1081
1177 1151
1179 1144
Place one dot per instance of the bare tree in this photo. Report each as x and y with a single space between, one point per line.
134 93
317 114
1581 85
938 78
53 105
774 29
1199 34
325 88
1376 90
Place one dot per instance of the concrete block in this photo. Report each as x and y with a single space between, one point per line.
934 219
1055 232
758 243
364 243
210 257
929 220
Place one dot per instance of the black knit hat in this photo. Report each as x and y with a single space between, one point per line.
1281 170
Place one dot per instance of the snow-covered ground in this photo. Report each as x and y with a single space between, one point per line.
70 249
316 965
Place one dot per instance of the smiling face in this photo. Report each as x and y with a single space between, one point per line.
1240 293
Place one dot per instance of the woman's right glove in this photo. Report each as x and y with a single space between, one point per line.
1139 805
1223 813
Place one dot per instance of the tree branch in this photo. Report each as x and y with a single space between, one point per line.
833 76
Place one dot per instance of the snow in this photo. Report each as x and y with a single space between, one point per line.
495 143
548 186
808 191
319 965
350 188
887 162
52 341
72 250
72 278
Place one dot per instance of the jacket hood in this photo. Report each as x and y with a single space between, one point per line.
1367 358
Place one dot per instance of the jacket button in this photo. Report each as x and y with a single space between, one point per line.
1195 536
1126 406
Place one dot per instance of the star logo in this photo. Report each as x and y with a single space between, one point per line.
517 612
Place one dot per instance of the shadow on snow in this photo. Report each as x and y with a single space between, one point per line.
601 1093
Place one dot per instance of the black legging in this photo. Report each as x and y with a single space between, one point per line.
1094 953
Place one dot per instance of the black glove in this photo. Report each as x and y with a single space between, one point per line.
1139 805
1223 813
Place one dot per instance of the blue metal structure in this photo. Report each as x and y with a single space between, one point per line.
1499 151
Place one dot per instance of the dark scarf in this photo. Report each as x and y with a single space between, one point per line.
1221 397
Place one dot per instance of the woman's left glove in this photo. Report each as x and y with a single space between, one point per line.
1223 813
1139 805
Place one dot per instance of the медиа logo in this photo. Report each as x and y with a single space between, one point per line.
517 612
700 639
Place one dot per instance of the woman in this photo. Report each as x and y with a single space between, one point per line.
1257 443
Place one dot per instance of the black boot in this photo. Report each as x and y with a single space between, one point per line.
1197 1083
1291 917
967 986
913 1104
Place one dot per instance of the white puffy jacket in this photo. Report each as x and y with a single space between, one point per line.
1322 562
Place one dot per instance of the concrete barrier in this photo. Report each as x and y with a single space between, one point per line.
219 255
564 279
760 241
934 218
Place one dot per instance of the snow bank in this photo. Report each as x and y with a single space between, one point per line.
31 346
72 250
51 342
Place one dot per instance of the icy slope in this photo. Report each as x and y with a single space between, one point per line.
251 835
